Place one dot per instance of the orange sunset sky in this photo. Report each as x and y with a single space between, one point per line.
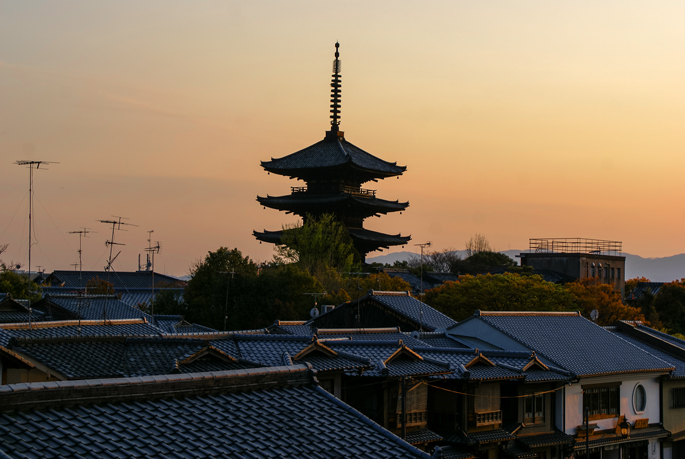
515 119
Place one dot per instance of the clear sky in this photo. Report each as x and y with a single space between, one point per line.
515 119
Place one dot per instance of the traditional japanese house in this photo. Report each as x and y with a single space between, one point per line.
672 386
334 171
612 401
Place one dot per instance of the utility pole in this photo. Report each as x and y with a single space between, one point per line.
232 273
424 245
31 163
152 250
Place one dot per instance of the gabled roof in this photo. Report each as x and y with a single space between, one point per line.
13 311
332 154
644 288
267 412
173 324
410 307
569 340
124 279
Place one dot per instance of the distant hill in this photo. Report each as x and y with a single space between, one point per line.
664 269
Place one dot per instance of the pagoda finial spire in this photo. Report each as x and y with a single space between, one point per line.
336 84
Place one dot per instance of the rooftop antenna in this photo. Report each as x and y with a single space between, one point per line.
116 225
152 250
336 84
424 245
81 234
30 164
314 312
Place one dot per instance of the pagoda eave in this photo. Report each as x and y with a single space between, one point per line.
315 203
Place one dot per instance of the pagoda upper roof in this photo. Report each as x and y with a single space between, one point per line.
303 202
333 152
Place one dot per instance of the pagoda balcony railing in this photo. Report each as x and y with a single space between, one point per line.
343 188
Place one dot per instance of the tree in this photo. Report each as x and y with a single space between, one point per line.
669 303
318 244
481 261
501 292
590 294
17 286
440 261
97 286
211 288
477 243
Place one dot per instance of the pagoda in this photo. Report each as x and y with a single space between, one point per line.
334 171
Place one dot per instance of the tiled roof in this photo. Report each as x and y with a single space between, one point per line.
438 339
271 350
301 328
430 279
572 342
331 153
412 308
70 328
664 336
453 452
137 279
369 335
556 437
480 438
175 325
293 419
644 288
300 203
676 357
12 317
422 436
94 308
518 452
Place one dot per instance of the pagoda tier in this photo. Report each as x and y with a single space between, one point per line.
333 159
365 241
355 204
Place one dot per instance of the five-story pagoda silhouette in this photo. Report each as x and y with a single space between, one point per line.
334 171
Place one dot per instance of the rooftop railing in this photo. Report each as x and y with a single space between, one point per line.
575 245
345 189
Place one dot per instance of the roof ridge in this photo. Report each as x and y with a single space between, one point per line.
73 322
129 389
528 313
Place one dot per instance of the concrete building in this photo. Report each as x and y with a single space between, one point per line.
579 258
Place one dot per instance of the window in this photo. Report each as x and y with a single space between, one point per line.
534 409
603 402
678 397
639 398
618 273
613 272
593 271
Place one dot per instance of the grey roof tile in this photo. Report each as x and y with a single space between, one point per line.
571 342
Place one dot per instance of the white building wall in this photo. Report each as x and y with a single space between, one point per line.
574 401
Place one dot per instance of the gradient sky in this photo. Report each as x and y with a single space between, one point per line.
515 119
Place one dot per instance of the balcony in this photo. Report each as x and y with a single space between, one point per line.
488 418
414 418
345 189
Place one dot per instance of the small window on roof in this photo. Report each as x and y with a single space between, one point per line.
639 398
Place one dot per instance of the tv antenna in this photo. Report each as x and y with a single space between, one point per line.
152 250
116 225
30 164
81 234
423 246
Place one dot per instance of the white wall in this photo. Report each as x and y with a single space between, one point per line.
574 401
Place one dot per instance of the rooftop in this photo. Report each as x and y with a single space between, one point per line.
575 245
275 412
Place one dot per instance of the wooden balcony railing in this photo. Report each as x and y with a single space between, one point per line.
414 418
488 418
345 189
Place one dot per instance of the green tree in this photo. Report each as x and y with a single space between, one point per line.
318 244
97 286
17 286
501 292
669 303
212 287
